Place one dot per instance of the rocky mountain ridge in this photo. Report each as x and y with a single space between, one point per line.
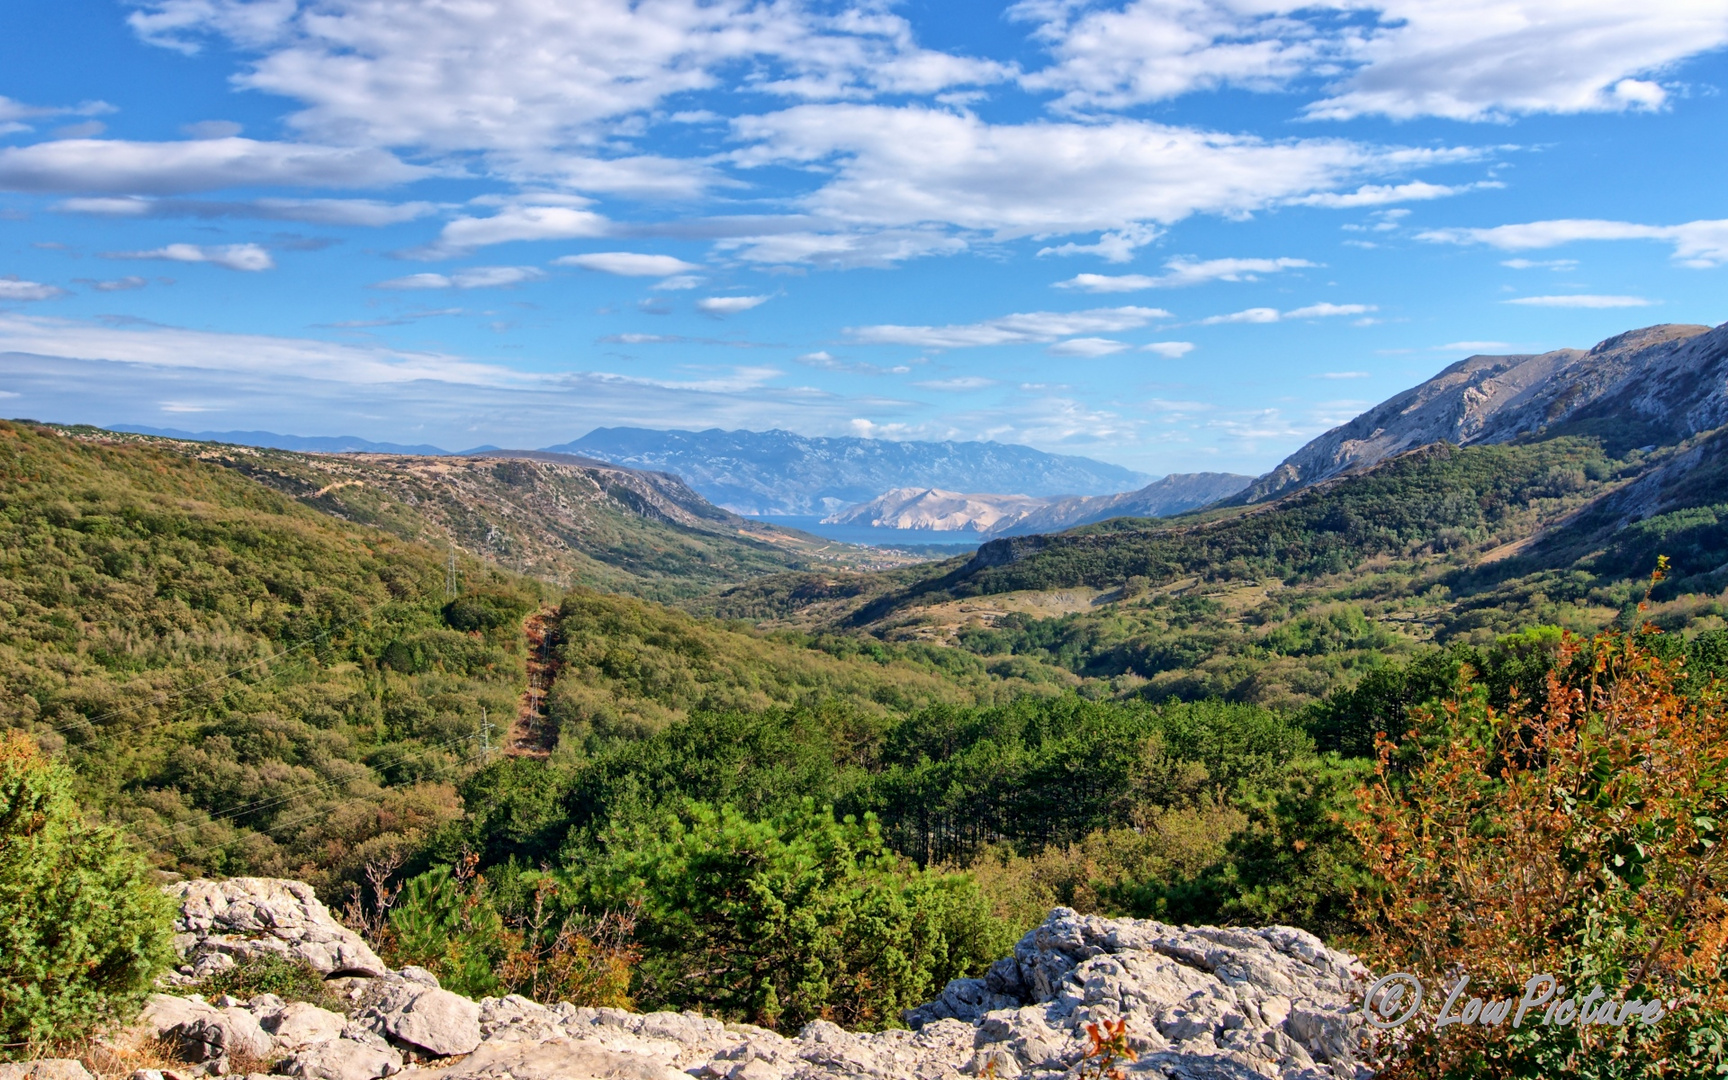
1198 1002
783 473
994 515
1652 386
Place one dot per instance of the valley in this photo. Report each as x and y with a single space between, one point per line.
365 668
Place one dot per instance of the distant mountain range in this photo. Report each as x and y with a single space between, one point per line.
1020 515
1648 387
782 473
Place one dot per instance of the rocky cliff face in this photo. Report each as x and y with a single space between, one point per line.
779 472
1199 1002
936 510
1023 515
1653 386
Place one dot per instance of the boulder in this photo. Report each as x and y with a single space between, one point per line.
222 922
298 1024
343 1059
203 1031
1198 1001
425 1018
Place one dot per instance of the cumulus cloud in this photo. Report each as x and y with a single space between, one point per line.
1581 300
1040 327
903 166
246 257
1462 59
1180 272
822 360
16 289
478 277
535 221
167 168
1696 243
519 76
729 305
627 263
360 212
1272 315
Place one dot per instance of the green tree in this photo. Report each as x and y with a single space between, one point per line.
782 921
83 929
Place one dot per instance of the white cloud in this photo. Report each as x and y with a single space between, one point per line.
477 277
165 168
260 354
824 361
13 289
1088 347
1030 327
1252 315
907 166
1324 310
1462 59
1696 243
843 249
1381 194
1272 315
1581 300
1117 246
1180 272
520 76
246 257
957 384
361 212
729 305
1540 264
679 282
627 263
125 284
521 222
1170 350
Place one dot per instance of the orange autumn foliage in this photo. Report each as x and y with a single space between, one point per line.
1581 839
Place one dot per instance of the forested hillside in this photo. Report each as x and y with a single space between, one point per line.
253 686
564 519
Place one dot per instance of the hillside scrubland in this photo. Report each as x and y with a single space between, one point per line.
821 792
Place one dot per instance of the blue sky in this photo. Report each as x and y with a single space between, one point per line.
1173 234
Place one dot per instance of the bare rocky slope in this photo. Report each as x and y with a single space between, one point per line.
1198 1002
1021 515
1655 386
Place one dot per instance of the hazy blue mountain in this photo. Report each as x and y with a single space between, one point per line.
313 444
781 473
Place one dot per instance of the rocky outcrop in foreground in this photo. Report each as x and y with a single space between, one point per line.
1200 1003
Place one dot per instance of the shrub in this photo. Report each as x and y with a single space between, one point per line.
780 922
457 925
269 973
1581 839
83 929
